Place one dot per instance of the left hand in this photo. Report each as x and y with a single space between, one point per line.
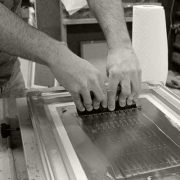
123 69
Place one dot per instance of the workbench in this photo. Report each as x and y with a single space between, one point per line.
12 161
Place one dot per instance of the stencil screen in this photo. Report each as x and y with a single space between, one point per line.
129 142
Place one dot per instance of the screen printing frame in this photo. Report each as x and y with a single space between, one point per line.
51 135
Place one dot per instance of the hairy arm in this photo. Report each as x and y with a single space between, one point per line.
110 15
20 39
75 74
122 65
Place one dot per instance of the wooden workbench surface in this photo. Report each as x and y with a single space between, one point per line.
12 162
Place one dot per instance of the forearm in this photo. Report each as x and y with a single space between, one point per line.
20 39
110 15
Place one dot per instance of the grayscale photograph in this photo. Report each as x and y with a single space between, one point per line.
89 90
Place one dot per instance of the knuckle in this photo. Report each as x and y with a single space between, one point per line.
95 78
92 79
125 88
100 96
125 93
130 98
122 100
100 99
83 86
78 104
114 73
76 89
76 98
111 95
88 103
75 93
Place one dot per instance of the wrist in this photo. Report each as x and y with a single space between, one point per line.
119 38
120 43
125 48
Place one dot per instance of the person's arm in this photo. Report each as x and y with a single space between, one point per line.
122 65
75 74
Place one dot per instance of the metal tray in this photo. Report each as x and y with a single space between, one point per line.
139 143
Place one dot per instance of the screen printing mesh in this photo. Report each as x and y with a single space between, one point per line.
130 140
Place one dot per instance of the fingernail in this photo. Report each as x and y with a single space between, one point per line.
129 102
89 108
135 101
111 108
122 103
96 107
81 109
104 105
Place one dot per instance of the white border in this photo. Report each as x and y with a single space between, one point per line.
69 150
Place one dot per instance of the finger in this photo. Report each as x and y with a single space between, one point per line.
136 82
78 102
99 98
104 100
87 101
175 82
135 88
100 95
96 104
125 92
111 93
135 98
132 99
177 77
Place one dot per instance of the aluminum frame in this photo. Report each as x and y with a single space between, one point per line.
58 156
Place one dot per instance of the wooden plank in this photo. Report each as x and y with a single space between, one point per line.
6 165
33 162
7 170
16 155
1 110
19 163
68 21
48 17
47 144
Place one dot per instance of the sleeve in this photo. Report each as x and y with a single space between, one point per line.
73 6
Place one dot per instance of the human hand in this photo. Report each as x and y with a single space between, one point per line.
123 69
80 78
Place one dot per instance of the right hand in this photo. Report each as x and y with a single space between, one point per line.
80 78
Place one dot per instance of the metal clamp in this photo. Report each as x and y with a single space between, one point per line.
6 130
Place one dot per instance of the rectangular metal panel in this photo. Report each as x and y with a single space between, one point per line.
133 144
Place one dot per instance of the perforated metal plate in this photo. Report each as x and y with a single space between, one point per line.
130 139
